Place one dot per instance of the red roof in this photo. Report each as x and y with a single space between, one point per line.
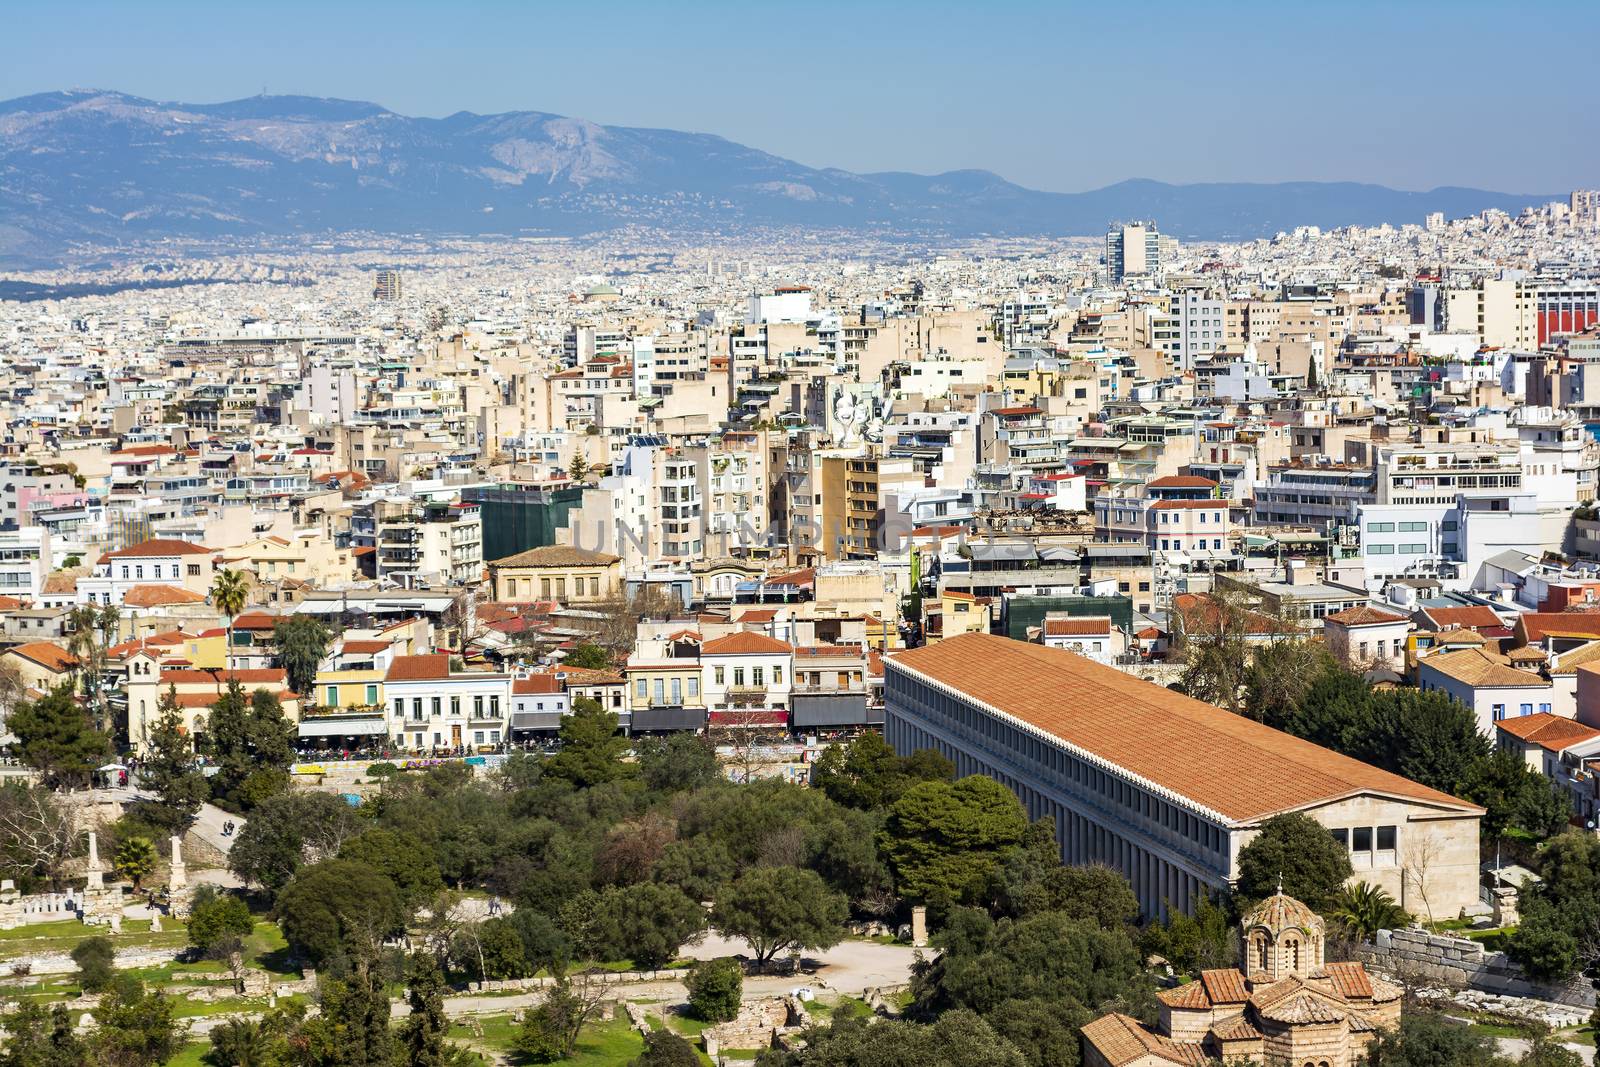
153 596
1086 626
51 657
158 547
254 677
1548 731
1473 616
364 647
1182 481
431 667
1364 615
536 683
744 644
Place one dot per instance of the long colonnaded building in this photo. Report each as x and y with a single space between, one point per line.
1162 787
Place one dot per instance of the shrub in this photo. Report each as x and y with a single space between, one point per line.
715 987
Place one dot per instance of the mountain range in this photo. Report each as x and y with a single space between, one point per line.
103 168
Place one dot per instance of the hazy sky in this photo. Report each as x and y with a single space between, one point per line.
1062 96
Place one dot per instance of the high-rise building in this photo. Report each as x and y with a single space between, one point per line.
387 286
1586 205
1132 250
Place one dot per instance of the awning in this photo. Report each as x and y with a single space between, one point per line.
343 726
832 709
753 718
646 720
535 720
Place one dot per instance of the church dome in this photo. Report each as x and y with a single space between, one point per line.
1281 912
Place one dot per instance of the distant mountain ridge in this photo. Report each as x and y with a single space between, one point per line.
105 167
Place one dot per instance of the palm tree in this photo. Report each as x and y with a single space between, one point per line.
1363 909
227 593
86 647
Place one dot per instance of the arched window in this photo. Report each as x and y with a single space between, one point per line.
1261 952
1294 954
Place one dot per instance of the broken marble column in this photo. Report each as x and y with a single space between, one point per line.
95 874
919 926
178 879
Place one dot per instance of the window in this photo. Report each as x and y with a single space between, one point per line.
437 706
416 708
694 686
332 696
372 694
1527 709
1497 711
477 737
716 676
1361 839
641 688
659 688
677 691
738 676
194 570
455 705
758 676
1386 838
494 707
1413 527
1380 527
399 707
477 707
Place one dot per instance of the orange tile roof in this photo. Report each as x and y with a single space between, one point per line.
158 547
1087 626
745 644
1183 746
1553 732
364 647
1535 626
536 683
1122 1039
1480 669
1364 615
1350 979
157 596
1472 616
1190 996
1225 985
1181 481
430 667
51 657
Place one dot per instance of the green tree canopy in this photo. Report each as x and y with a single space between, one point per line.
948 842
250 741
588 657
217 922
287 831
591 748
96 959
715 989
649 923
339 907
302 642
1300 852
867 773
401 858
170 772
779 909
56 737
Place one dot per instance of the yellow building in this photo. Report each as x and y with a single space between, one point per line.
307 557
557 572
958 613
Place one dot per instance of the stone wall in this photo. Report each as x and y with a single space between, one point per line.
1416 956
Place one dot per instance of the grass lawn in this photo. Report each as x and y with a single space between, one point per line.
48 938
606 1043
190 1055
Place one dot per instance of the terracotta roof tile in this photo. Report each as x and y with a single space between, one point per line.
1121 1040
1086 626
1350 979
1190 996
51 657
556 556
1179 743
160 596
158 547
1480 669
1225 986
745 643
1364 615
430 667
1472 616
1548 731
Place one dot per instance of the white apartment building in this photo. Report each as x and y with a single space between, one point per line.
24 561
435 708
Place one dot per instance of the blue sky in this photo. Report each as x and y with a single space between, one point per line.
1066 96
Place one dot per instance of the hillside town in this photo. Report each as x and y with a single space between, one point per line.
1225 613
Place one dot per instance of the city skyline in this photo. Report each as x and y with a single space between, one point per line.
1401 102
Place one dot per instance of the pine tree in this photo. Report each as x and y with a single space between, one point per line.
423 1032
169 771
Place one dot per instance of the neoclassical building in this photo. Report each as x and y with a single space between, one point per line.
1286 1006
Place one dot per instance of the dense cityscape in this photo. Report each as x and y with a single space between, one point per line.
793 644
